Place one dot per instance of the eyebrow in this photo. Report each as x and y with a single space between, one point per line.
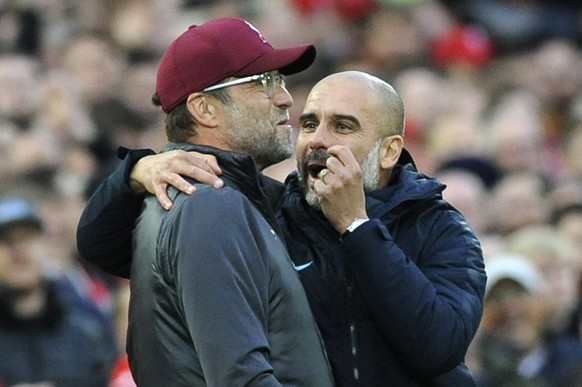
334 118
307 117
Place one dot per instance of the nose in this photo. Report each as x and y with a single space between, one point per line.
282 98
319 138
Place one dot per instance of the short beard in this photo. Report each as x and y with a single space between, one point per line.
258 138
370 166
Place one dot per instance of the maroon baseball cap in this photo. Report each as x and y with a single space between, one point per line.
218 49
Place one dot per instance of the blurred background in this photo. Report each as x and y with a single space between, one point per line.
493 95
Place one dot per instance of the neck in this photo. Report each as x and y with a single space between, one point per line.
211 138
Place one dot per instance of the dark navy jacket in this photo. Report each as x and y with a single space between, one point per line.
397 302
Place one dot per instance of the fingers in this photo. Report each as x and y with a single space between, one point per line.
344 166
160 183
163 181
198 166
203 168
341 152
209 162
162 196
341 156
322 174
155 173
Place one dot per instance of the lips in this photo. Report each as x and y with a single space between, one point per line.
314 167
312 163
283 120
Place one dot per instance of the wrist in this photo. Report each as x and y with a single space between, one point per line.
130 159
356 222
136 186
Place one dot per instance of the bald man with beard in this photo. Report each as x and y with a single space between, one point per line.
393 273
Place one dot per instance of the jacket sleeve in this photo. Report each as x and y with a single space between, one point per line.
222 281
104 232
428 307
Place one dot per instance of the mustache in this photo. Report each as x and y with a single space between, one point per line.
316 155
316 159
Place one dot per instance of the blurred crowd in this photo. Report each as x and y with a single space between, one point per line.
493 95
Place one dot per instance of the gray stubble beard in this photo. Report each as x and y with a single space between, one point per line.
267 145
370 166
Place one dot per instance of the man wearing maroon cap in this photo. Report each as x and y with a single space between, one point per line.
394 275
215 300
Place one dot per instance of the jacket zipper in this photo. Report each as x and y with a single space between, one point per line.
353 336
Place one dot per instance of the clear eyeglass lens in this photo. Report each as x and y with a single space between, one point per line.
271 81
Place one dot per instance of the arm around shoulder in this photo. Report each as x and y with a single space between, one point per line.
105 228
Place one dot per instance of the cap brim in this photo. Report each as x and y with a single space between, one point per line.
516 269
288 61
18 212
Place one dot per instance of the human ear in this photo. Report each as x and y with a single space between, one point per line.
203 109
390 152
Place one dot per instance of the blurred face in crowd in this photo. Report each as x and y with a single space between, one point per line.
554 256
95 65
468 194
517 202
513 314
20 81
560 292
21 251
358 111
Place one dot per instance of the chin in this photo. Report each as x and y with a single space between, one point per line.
312 200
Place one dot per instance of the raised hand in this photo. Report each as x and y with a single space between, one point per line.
340 188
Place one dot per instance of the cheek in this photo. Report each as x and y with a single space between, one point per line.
360 154
300 145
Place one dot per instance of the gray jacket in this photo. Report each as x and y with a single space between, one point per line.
215 298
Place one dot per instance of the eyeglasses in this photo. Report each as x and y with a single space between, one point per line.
270 81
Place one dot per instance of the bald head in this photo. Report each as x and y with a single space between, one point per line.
378 96
357 111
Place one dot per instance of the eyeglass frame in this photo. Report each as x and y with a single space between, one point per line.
263 77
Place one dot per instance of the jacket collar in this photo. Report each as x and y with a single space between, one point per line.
235 166
240 172
406 184
406 158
